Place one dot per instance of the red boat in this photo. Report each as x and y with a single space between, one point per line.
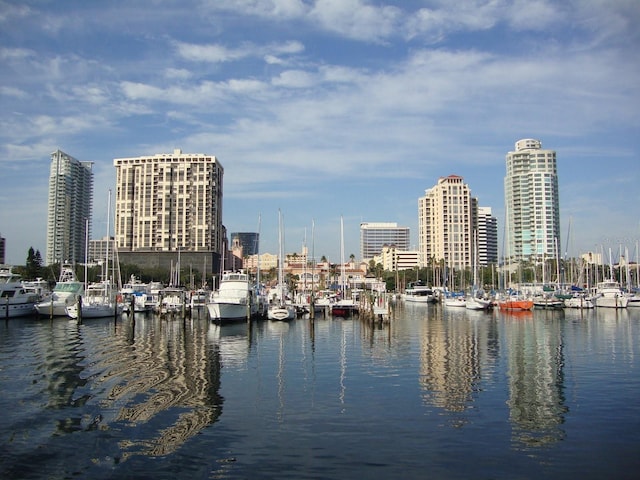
516 304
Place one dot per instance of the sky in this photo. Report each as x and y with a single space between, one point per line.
326 109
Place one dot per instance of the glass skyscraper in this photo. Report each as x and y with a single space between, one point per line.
532 205
69 208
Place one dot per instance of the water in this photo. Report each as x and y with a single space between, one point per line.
437 393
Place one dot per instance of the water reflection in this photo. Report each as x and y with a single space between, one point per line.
159 380
536 378
450 358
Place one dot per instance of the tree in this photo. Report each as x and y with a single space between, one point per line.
33 267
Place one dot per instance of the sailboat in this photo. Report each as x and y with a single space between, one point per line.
345 306
281 309
99 299
474 301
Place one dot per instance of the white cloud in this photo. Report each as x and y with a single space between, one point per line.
13 92
280 9
356 19
294 79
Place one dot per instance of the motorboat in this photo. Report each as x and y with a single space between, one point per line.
516 304
609 294
235 300
418 292
64 294
15 299
99 301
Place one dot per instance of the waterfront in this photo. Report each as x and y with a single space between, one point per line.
436 393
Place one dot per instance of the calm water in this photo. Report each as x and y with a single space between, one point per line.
437 393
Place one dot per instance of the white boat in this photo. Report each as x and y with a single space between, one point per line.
65 294
633 300
578 300
476 303
418 292
235 300
280 306
281 311
173 301
455 300
547 302
199 298
610 295
136 296
39 287
15 300
99 301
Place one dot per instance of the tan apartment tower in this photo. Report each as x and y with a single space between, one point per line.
169 208
447 216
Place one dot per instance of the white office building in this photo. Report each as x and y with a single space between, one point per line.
374 236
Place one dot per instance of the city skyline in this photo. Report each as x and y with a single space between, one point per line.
326 108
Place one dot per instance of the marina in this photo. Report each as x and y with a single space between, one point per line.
430 392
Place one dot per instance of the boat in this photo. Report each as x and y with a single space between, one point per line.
136 296
515 304
418 292
65 294
547 302
578 300
199 298
455 300
39 287
99 301
343 306
235 300
280 307
474 302
15 299
609 294
173 301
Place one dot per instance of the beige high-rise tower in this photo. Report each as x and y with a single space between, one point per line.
447 217
168 203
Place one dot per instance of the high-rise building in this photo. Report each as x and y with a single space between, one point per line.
532 205
69 208
374 236
487 237
446 220
169 206
2 249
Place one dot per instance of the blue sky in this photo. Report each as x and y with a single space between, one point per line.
326 108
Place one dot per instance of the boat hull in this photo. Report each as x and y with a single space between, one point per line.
619 301
281 313
231 312
13 310
516 305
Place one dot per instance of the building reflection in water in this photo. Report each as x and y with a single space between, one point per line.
536 400
165 384
452 347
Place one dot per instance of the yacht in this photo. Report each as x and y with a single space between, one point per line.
65 294
15 299
235 300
